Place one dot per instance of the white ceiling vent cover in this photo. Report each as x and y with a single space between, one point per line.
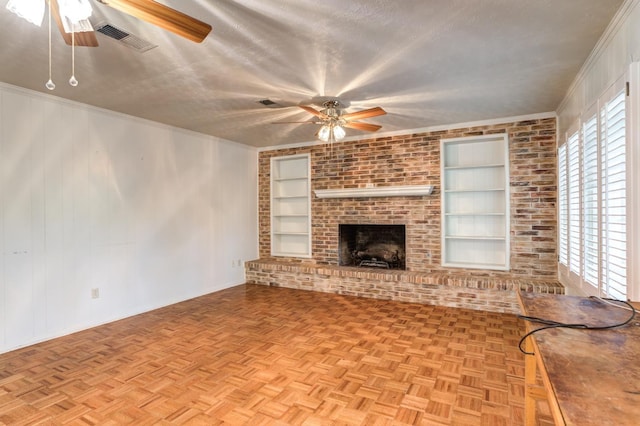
123 37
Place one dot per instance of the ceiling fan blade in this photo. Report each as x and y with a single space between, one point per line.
362 126
314 111
366 113
164 17
297 122
81 38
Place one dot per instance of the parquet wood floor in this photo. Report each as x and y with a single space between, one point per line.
260 355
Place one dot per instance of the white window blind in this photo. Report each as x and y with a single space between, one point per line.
596 190
563 205
590 241
613 182
574 203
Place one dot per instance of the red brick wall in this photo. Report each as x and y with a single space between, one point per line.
414 159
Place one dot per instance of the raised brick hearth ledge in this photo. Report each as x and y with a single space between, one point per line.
494 294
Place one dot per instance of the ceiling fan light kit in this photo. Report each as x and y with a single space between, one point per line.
331 132
333 120
75 13
30 10
332 129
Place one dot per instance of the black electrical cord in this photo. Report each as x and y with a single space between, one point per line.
555 324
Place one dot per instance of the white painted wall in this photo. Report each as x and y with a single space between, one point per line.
618 47
149 214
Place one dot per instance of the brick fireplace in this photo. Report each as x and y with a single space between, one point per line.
414 159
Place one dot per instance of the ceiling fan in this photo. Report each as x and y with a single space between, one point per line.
146 10
333 120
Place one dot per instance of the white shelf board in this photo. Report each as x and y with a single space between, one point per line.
290 233
288 179
453 191
378 191
475 237
475 166
474 214
477 265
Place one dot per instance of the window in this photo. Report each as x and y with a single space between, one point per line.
614 193
563 206
592 200
574 203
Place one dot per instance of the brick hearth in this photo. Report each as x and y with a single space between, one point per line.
438 288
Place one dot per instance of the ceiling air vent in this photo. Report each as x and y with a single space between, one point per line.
123 37
269 103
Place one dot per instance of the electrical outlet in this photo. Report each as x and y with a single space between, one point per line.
95 293
239 263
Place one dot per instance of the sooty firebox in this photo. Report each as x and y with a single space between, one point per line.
371 245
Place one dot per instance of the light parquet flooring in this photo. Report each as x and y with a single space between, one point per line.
260 355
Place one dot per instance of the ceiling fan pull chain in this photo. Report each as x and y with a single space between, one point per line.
72 81
50 84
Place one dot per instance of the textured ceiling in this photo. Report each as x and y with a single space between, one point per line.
426 62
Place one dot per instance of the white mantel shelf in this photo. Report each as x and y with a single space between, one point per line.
377 191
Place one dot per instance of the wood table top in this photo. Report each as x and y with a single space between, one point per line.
595 374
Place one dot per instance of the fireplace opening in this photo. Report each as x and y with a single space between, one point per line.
372 246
